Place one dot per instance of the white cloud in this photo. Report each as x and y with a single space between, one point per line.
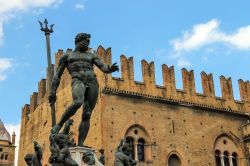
79 6
10 8
206 35
209 33
14 128
5 65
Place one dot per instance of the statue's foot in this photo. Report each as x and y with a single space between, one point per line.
55 129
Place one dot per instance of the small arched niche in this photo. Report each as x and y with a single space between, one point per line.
174 160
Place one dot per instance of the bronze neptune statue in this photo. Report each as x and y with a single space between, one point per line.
84 83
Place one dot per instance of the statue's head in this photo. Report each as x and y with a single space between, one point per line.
125 148
62 140
88 158
82 41
28 159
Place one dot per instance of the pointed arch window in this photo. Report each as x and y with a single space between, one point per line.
139 139
217 155
234 159
226 158
131 142
140 149
174 160
6 157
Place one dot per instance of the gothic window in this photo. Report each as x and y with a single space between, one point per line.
2 156
6 157
174 160
226 158
139 139
234 159
131 142
227 151
140 149
217 158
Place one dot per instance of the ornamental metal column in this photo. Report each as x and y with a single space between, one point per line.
47 32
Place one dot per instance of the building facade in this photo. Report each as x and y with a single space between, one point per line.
7 147
165 125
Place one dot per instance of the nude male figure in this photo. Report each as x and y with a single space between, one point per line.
84 83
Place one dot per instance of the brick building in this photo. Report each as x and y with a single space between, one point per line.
167 126
7 147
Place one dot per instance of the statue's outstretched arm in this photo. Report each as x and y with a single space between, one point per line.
104 67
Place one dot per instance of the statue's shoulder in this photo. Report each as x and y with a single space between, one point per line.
64 57
94 54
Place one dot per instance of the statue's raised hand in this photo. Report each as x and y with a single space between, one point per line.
52 99
114 68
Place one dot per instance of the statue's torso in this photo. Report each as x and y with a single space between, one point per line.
80 66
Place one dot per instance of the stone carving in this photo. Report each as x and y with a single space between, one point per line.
84 83
59 147
123 155
102 156
34 159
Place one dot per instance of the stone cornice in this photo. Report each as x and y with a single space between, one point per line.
205 107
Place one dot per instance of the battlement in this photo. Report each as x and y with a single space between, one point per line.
148 85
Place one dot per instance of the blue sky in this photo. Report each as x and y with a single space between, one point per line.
211 36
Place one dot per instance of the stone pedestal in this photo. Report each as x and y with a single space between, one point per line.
77 154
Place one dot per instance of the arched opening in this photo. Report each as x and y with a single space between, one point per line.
140 149
217 158
131 142
139 139
2 156
6 157
174 160
226 158
228 150
234 159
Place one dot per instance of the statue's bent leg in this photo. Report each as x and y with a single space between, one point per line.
78 91
90 101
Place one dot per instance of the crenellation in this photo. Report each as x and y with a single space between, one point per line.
188 82
33 101
148 76
58 55
226 88
26 112
168 75
41 90
127 68
207 84
105 55
244 87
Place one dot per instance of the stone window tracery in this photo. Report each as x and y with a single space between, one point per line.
137 136
226 151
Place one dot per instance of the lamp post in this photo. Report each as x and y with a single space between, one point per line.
47 31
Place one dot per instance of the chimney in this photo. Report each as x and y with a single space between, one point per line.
13 138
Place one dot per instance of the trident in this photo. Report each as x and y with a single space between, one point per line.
47 32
